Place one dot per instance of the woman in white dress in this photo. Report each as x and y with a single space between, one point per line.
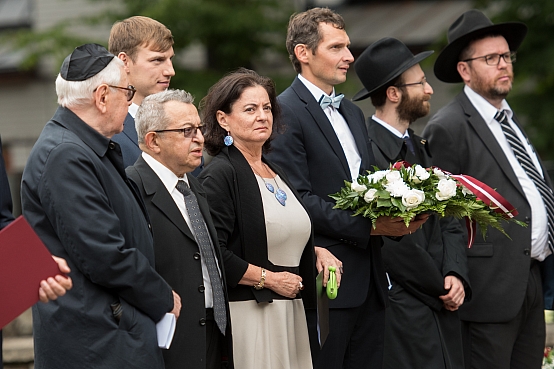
264 231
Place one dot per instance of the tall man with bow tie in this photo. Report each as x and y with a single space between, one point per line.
478 134
325 143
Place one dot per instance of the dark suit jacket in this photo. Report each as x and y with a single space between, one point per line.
76 196
312 157
461 142
128 141
178 262
6 215
417 266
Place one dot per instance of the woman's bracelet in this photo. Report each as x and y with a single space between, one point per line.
261 283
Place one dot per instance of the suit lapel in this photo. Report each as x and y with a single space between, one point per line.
420 145
488 139
321 121
158 195
129 129
385 141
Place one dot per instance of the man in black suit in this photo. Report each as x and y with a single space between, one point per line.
146 48
322 146
478 134
170 135
428 269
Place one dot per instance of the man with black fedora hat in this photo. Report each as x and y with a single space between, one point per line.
479 135
428 269
76 196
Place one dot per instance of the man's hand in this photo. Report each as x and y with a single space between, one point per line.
388 226
176 305
52 288
324 259
456 293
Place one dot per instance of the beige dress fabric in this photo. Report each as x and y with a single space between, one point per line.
275 335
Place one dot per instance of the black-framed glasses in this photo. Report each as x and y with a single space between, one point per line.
494 59
188 132
129 90
422 83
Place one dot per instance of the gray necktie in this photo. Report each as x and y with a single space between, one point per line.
207 251
532 172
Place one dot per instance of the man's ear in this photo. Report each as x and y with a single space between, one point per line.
393 94
101 97
151 142
125 59
301 52
463 70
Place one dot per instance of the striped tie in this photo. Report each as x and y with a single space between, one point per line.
532 172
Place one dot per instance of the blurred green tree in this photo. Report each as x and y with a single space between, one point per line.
533 93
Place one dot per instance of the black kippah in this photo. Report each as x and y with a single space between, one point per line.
84 62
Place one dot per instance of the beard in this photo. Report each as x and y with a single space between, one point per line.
492 91
412 108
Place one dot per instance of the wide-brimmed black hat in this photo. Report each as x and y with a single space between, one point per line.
383 61
472 25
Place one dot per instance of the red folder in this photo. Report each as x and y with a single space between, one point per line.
24 262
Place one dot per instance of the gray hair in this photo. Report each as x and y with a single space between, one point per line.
80 93
151 113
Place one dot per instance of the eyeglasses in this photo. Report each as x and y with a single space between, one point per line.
188 132
422 83
129 91
494 59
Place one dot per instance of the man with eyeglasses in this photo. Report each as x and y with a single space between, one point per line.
170 136
423 300
478 134
76 196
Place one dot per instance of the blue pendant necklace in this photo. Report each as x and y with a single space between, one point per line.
280 195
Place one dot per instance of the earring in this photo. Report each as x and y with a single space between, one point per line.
228 140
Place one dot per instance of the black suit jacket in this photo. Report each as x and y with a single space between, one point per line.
6 215
128 141
461 142
313 159
178 262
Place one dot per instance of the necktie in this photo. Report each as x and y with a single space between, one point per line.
409 144
207 250
325 101
527 164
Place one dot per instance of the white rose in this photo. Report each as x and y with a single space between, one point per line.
355 186
370 195
447 189
466 191
377 176
393 176
420 174
413 198
439 173
397 188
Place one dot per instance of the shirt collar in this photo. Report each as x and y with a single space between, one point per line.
316 91
133 108
168 178
393 130
485 108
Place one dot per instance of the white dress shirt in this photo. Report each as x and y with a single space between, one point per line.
341 129
169 179
133 108
393 130
539 223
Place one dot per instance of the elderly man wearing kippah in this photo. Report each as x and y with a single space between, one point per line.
78 199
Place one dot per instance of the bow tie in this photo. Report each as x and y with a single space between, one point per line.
325 101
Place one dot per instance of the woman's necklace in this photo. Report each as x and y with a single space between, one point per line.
280 195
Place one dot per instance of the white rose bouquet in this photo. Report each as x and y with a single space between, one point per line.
405 191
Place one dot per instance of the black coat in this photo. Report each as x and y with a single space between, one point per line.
178 262
77 198
420 332
461 142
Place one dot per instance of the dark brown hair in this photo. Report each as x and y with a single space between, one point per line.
304 29
379 97
223 95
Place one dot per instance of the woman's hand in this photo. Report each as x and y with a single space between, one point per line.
325 259
284 283
56 286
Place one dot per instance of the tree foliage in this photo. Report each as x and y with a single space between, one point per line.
533 91
235 33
